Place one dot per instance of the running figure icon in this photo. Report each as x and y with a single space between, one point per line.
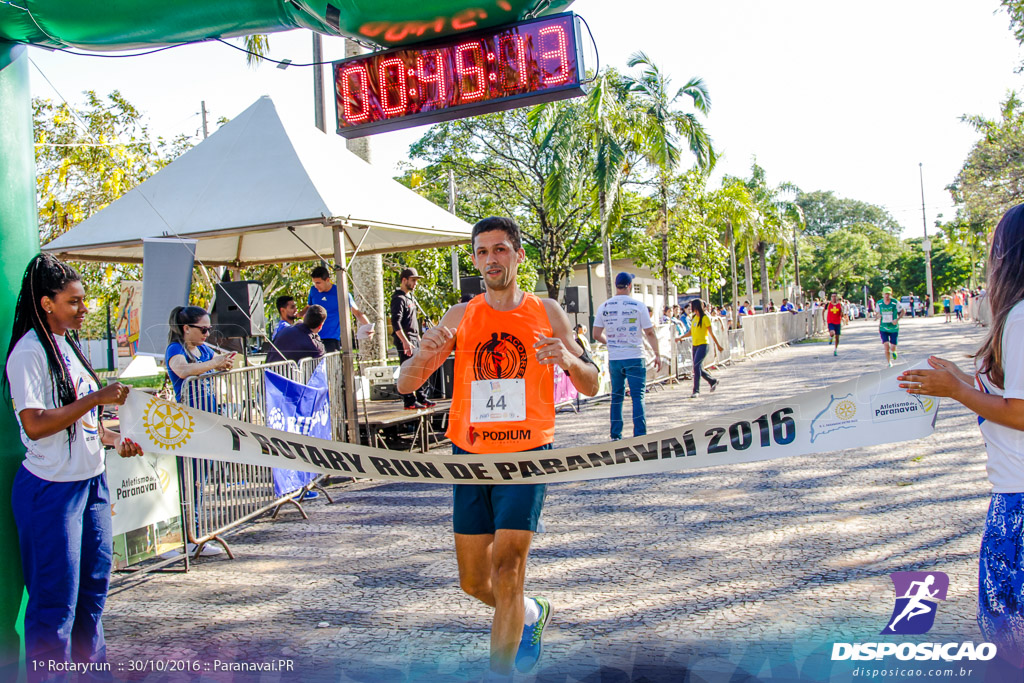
917 596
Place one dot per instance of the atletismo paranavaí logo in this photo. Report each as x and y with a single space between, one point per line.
917 596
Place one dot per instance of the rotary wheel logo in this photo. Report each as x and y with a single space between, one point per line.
845 410
167 425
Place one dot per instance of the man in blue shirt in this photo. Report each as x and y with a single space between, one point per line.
325 293
289 312
299 341
786 306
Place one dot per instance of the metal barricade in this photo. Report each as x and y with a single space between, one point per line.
218 496
714 358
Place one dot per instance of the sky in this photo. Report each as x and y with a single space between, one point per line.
848 97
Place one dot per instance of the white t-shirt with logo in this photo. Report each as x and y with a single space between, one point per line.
624 319
29 375
1005 445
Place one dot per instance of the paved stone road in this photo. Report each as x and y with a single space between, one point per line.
701 575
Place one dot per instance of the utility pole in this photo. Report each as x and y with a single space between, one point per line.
455 249
927 245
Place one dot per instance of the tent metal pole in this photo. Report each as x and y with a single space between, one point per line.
357 247
347 364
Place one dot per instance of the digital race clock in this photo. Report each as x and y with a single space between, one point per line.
512 66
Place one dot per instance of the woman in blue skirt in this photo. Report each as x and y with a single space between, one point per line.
996 393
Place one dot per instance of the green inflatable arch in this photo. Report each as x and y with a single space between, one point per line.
126 24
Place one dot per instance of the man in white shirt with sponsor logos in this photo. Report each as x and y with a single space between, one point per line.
622 322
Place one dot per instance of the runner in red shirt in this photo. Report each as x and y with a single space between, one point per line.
834 318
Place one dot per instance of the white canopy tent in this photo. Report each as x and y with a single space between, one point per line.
239 191
246 189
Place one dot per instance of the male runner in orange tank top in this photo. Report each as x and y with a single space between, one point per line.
507 343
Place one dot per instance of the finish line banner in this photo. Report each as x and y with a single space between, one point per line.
865 411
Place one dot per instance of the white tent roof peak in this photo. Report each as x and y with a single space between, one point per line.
239 190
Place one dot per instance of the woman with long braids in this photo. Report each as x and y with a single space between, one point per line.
60 500
996 393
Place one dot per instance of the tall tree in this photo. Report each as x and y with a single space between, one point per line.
992 177
786 246
972 237
86 157
951 267
825 212
616 141
664 128
694 243
1015 9
535 165
840 261
730 208
768 228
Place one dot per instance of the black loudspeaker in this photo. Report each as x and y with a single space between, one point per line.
238 309
572 299
439 384
471 285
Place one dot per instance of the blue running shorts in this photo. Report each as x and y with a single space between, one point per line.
889 336
483 508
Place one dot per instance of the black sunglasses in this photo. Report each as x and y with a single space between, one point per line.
204 330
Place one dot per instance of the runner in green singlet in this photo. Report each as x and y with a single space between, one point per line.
889 315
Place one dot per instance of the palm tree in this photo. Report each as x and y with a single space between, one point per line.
769 227
793 223
731 209
258 47
615 136
663 127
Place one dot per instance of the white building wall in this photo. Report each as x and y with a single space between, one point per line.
646 287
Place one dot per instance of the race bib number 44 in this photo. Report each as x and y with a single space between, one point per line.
498 400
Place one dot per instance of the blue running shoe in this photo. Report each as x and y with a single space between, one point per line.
532 643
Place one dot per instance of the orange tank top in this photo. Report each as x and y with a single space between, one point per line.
503 399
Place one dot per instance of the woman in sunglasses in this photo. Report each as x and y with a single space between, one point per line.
188 355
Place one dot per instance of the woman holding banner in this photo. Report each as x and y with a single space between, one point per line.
996 393
60 499
188 355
